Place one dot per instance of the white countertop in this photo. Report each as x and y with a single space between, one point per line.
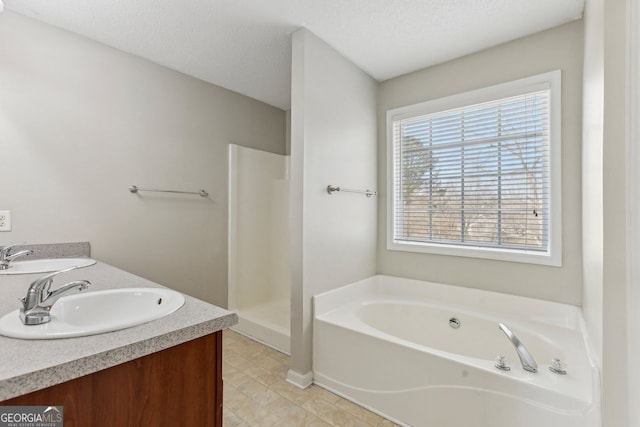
30 365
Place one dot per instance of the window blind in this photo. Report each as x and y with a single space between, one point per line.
475 176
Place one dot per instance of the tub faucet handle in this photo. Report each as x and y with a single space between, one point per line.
557 367
501 363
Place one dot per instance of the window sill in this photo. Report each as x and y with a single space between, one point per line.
521 256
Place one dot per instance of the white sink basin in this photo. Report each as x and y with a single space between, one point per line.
92 313
46 265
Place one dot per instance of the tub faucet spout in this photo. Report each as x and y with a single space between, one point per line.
527 360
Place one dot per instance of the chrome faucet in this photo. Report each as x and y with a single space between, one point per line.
6 258
527 360
36 306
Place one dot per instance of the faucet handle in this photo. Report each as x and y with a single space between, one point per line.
46 280
4 250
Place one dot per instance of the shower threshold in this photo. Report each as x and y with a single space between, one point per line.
266 323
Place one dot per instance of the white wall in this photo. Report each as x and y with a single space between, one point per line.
558 48
607 214
333 141
80 121
592 173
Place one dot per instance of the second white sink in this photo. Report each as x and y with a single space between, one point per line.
92 313
46 265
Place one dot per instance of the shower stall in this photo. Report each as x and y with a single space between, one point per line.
259 267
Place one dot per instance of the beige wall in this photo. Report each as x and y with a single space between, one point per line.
79 122
333 141
559 48
616 369
633 177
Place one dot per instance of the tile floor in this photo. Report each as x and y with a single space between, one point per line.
256 394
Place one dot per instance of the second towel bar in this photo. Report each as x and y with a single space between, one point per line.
368 193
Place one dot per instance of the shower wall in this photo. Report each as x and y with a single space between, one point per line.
259 267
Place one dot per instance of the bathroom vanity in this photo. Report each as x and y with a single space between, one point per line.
163 373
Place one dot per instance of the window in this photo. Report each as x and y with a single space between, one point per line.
478 174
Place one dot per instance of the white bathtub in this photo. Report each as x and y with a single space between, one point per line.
386 343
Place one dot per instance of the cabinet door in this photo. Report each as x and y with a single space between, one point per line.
179 386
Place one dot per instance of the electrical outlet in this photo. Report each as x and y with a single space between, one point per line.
5 220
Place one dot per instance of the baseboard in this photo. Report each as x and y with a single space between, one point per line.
301 381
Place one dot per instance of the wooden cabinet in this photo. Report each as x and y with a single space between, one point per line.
179 386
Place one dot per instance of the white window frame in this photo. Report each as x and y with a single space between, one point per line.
553 255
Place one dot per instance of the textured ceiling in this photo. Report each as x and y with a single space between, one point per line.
244 45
